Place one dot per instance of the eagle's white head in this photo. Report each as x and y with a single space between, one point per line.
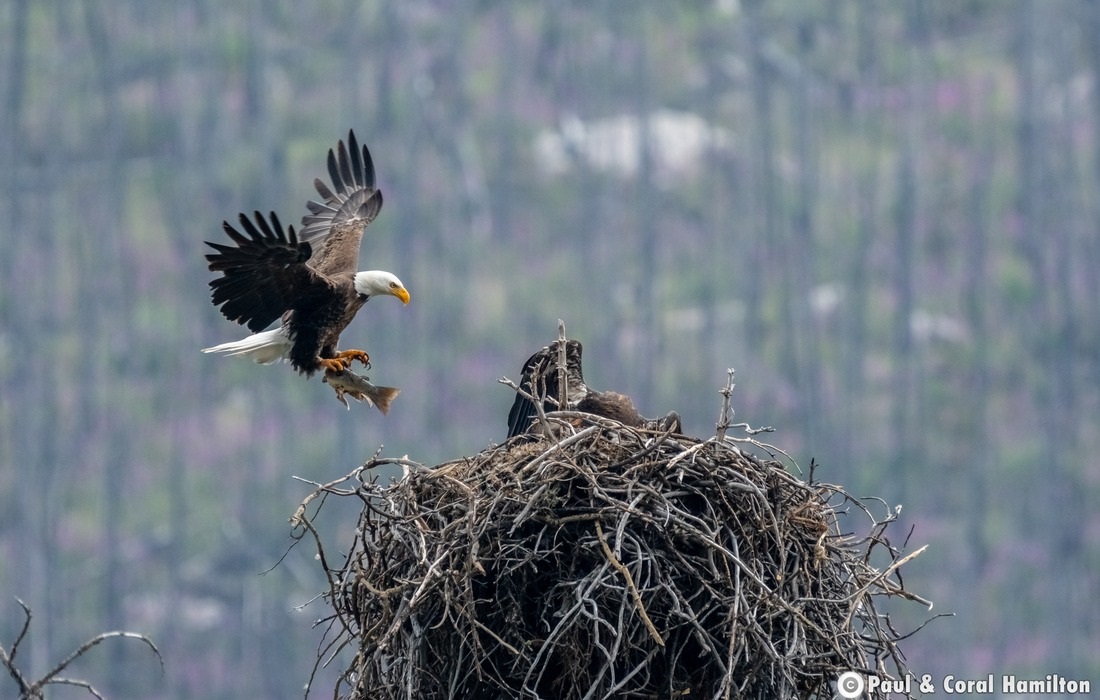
373 283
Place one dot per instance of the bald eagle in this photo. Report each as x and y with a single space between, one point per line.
540 379
306 280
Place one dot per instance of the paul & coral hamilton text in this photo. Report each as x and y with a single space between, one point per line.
1008 684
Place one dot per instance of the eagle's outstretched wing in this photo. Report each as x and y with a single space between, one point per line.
540 379
264 274
335 227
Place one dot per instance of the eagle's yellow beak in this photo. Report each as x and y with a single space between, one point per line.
401 294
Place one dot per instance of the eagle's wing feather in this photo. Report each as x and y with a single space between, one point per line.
539 378
523 410
264 274
335 226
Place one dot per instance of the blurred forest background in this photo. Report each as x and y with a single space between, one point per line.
882 215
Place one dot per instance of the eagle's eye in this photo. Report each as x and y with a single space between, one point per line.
393 285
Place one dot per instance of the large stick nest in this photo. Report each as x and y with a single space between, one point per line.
596 561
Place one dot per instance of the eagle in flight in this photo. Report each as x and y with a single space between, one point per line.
540 379
306 280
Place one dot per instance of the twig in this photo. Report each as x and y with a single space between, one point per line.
86 646
726 414
563 377
8 659
630 586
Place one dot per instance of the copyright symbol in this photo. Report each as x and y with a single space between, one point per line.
849 684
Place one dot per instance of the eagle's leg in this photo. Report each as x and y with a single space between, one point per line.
349 356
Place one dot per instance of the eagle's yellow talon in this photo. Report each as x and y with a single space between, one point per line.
349 356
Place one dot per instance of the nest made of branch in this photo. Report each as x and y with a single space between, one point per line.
599 561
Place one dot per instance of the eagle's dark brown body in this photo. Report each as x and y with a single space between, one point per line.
613 405
317 327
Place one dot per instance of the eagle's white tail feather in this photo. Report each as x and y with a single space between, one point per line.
263 348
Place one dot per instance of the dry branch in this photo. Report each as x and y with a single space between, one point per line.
34 690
